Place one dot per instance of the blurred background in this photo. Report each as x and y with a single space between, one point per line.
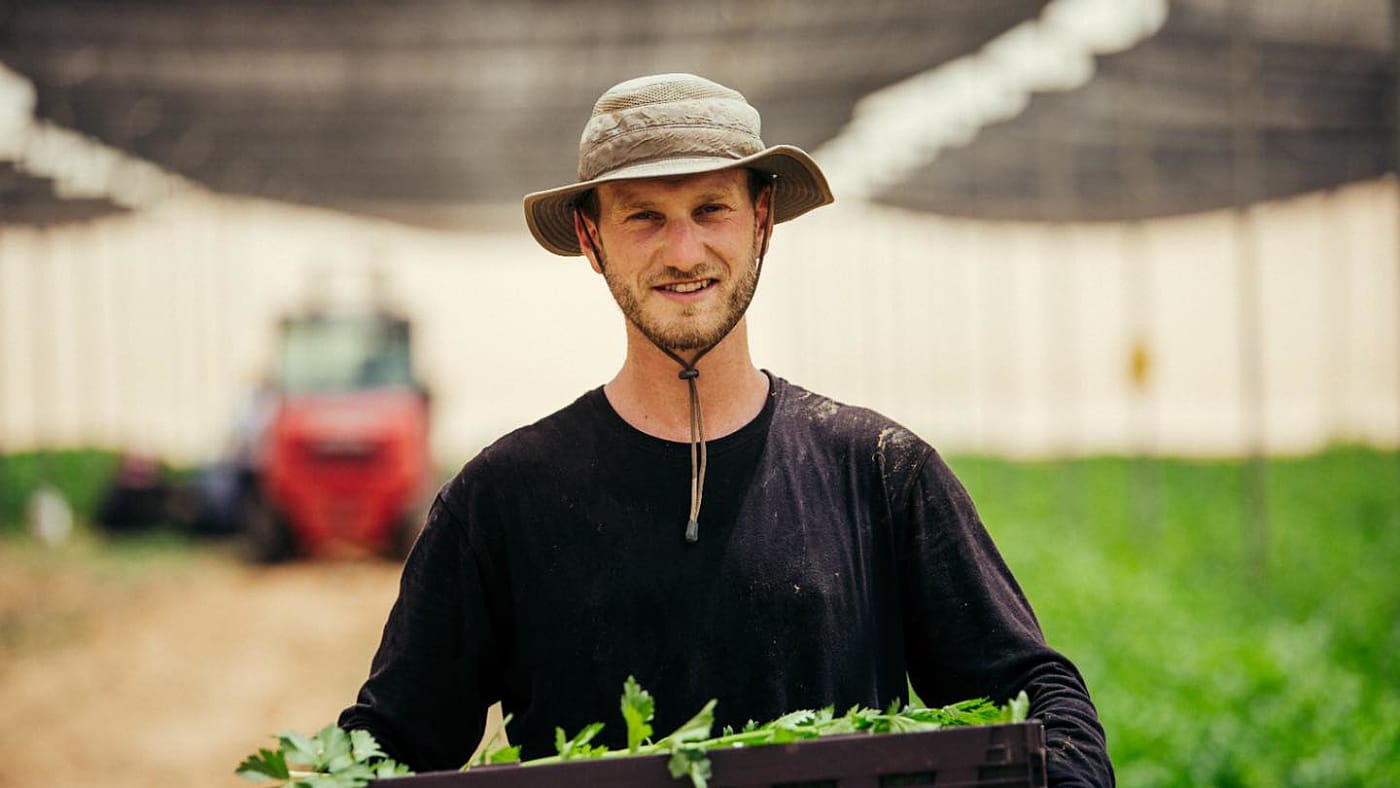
1133 265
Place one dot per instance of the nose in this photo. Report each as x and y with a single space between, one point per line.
685 247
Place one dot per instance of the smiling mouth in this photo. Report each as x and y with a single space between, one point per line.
687 287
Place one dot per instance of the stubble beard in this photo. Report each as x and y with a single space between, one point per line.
686 332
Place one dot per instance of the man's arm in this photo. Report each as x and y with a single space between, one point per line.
426 697
969 630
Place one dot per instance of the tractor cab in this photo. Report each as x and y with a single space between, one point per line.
329 353
340 462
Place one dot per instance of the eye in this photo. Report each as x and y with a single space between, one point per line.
643 216
711 209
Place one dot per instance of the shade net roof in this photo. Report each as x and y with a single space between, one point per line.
1292 97
413 109
33 200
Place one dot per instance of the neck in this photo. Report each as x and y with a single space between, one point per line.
648 394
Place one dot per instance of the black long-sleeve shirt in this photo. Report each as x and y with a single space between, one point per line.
837 553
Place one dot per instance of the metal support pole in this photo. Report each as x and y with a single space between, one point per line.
4 343
1245 172
1056 171
1395 130
1139 195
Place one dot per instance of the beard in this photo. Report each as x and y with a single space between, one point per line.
696 326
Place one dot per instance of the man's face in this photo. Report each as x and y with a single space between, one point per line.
679 254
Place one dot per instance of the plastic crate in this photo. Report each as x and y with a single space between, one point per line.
1007 756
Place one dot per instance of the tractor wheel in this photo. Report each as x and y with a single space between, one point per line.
266 537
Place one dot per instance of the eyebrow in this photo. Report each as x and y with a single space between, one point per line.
628 204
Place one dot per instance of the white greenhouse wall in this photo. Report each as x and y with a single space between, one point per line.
144 332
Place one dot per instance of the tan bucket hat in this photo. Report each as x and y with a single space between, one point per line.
672 124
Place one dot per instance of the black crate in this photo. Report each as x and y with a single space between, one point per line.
1007 756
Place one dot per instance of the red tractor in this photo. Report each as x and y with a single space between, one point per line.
335 458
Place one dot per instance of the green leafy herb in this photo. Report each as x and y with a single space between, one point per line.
578 746
637 711
491 754
330 759
696 728
505 755
1018 708
690 760
265 765
689 755
363 747
690 744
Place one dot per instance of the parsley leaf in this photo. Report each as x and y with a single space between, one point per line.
696 728
637 711
690 760
578 746
330 759
265 765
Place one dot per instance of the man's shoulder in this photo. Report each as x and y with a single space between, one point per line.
547 442
562 429
827 420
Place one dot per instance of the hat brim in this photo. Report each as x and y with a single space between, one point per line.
801 186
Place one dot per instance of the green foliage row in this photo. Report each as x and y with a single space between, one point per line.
1226 641
80 475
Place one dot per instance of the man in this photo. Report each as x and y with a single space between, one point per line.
703 525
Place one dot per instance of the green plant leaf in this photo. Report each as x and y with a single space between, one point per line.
387 768
326 760
265 765
914 699
690 760
793 719
298 748
860 718
489 750
638 709
333 749
505 755
1018 708
696 728
578 746
363 746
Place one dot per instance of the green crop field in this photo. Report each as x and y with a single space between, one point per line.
1212 661
79 475
1219 653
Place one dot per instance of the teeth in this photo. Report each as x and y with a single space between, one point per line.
687 287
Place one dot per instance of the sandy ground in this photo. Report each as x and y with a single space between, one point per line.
166 670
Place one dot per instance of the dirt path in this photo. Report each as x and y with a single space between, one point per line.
167 675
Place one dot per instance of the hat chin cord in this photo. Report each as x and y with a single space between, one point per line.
690 374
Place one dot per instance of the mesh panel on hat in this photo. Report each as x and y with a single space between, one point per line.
632 94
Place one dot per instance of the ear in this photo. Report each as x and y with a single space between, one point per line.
585 235
763 216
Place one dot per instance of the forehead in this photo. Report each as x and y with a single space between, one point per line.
644 190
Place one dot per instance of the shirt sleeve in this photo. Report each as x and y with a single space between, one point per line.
969 631
426 697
